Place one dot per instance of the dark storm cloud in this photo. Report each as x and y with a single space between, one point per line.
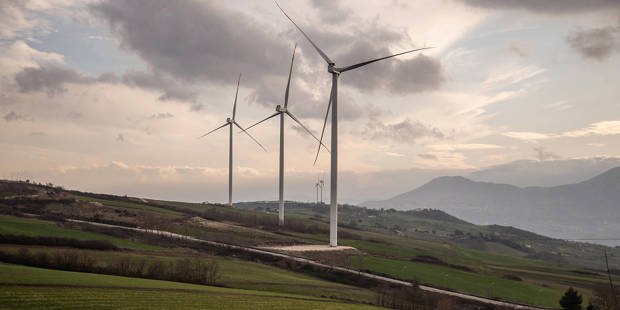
194 40
405 131
52 79
49 78
304 104
370 41
205 42
415 75
552 7
597 44
170 88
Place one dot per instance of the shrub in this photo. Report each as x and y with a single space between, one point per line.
54 241
571 300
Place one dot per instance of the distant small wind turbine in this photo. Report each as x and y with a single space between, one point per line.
317 185
282 111
333 102
321 184
230 122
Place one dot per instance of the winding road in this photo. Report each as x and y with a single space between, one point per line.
314 263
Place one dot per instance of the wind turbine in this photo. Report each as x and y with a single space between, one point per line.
317 185
321 184
231 122
282 111
333 102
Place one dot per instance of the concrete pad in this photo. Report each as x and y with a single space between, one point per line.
310 248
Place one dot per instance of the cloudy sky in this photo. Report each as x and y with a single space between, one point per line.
110 96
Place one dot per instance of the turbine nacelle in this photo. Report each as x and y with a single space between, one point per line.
229 120
280 108
331 68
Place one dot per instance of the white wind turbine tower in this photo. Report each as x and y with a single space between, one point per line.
317 186
321 184
282 111
333 102
230 122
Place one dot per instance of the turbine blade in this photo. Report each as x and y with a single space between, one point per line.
329 104
307 130
329 61
290 72
213 130
268 117
249 135
361 64
236 93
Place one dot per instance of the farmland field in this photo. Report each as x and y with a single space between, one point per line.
20 226
36 288
489 268
235 273
463 281
128 205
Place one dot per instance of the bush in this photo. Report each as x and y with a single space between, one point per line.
102 245
571 300
195 270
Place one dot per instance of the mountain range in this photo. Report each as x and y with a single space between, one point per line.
584 210
525 172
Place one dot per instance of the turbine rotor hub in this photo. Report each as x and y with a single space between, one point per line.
280 108
229 120
331 68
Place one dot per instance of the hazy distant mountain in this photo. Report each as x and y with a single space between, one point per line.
545 173
590 209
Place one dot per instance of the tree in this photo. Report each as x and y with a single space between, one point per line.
571 300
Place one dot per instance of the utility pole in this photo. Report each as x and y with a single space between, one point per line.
611 283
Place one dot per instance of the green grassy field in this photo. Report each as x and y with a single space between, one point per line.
235 273
543 281
463 281
128 205
25 297
385 250
36 288
29 227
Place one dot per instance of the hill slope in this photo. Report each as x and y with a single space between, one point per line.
583 210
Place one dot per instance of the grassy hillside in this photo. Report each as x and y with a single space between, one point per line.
428 246
235 273
36 288
439 227
483 284
10 225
